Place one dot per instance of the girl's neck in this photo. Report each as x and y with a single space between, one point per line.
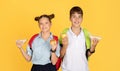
76 30
45 35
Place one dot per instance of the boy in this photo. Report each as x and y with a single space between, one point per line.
73 51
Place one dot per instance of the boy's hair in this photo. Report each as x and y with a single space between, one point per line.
44 15
76 9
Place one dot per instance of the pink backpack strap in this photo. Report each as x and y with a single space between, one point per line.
31 40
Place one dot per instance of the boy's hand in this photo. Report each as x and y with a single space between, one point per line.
94 43
64 40
20 43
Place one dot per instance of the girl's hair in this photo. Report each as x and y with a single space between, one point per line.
44 15
76 9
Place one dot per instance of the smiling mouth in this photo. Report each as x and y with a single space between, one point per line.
43 28
76 22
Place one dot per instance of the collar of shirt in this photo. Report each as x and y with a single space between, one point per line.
73 34
51 35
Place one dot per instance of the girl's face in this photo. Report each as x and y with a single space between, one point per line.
44 24
76 19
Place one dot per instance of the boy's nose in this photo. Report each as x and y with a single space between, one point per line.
76 19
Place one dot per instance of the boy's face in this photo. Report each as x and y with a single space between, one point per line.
76 19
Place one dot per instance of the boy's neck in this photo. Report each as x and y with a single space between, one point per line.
45 35
76 30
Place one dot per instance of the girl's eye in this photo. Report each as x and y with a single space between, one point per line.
46 23
41 23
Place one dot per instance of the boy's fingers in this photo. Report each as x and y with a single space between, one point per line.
95 42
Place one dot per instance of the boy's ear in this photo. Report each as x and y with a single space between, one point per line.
70 18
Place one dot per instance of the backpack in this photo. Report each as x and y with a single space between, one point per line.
58 63
87 42
87 38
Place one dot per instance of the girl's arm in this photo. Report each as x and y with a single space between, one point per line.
54 57
25 55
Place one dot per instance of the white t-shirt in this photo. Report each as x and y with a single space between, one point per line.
75 56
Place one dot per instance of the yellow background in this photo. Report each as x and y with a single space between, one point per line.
101 17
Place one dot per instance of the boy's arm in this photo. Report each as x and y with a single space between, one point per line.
64 46
63 51
90 51
93 46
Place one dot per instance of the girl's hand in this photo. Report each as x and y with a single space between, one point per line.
53 43
20 43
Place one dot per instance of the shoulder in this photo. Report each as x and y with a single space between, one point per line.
32 39
55 37
35 35
86 32
65 31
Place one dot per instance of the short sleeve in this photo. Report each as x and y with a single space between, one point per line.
29 51
58 50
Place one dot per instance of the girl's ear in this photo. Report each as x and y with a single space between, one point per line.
38 24
50 24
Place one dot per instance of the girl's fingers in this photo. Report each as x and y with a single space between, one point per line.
54 47
19 43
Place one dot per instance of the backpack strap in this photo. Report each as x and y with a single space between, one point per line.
55 38
34 36
63 32
31 40
58 63
87 41
87 38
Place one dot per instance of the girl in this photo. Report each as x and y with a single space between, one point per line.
42 54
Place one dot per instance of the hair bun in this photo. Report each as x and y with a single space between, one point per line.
37 18
51 16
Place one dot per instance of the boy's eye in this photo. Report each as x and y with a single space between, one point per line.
73 16
79 16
